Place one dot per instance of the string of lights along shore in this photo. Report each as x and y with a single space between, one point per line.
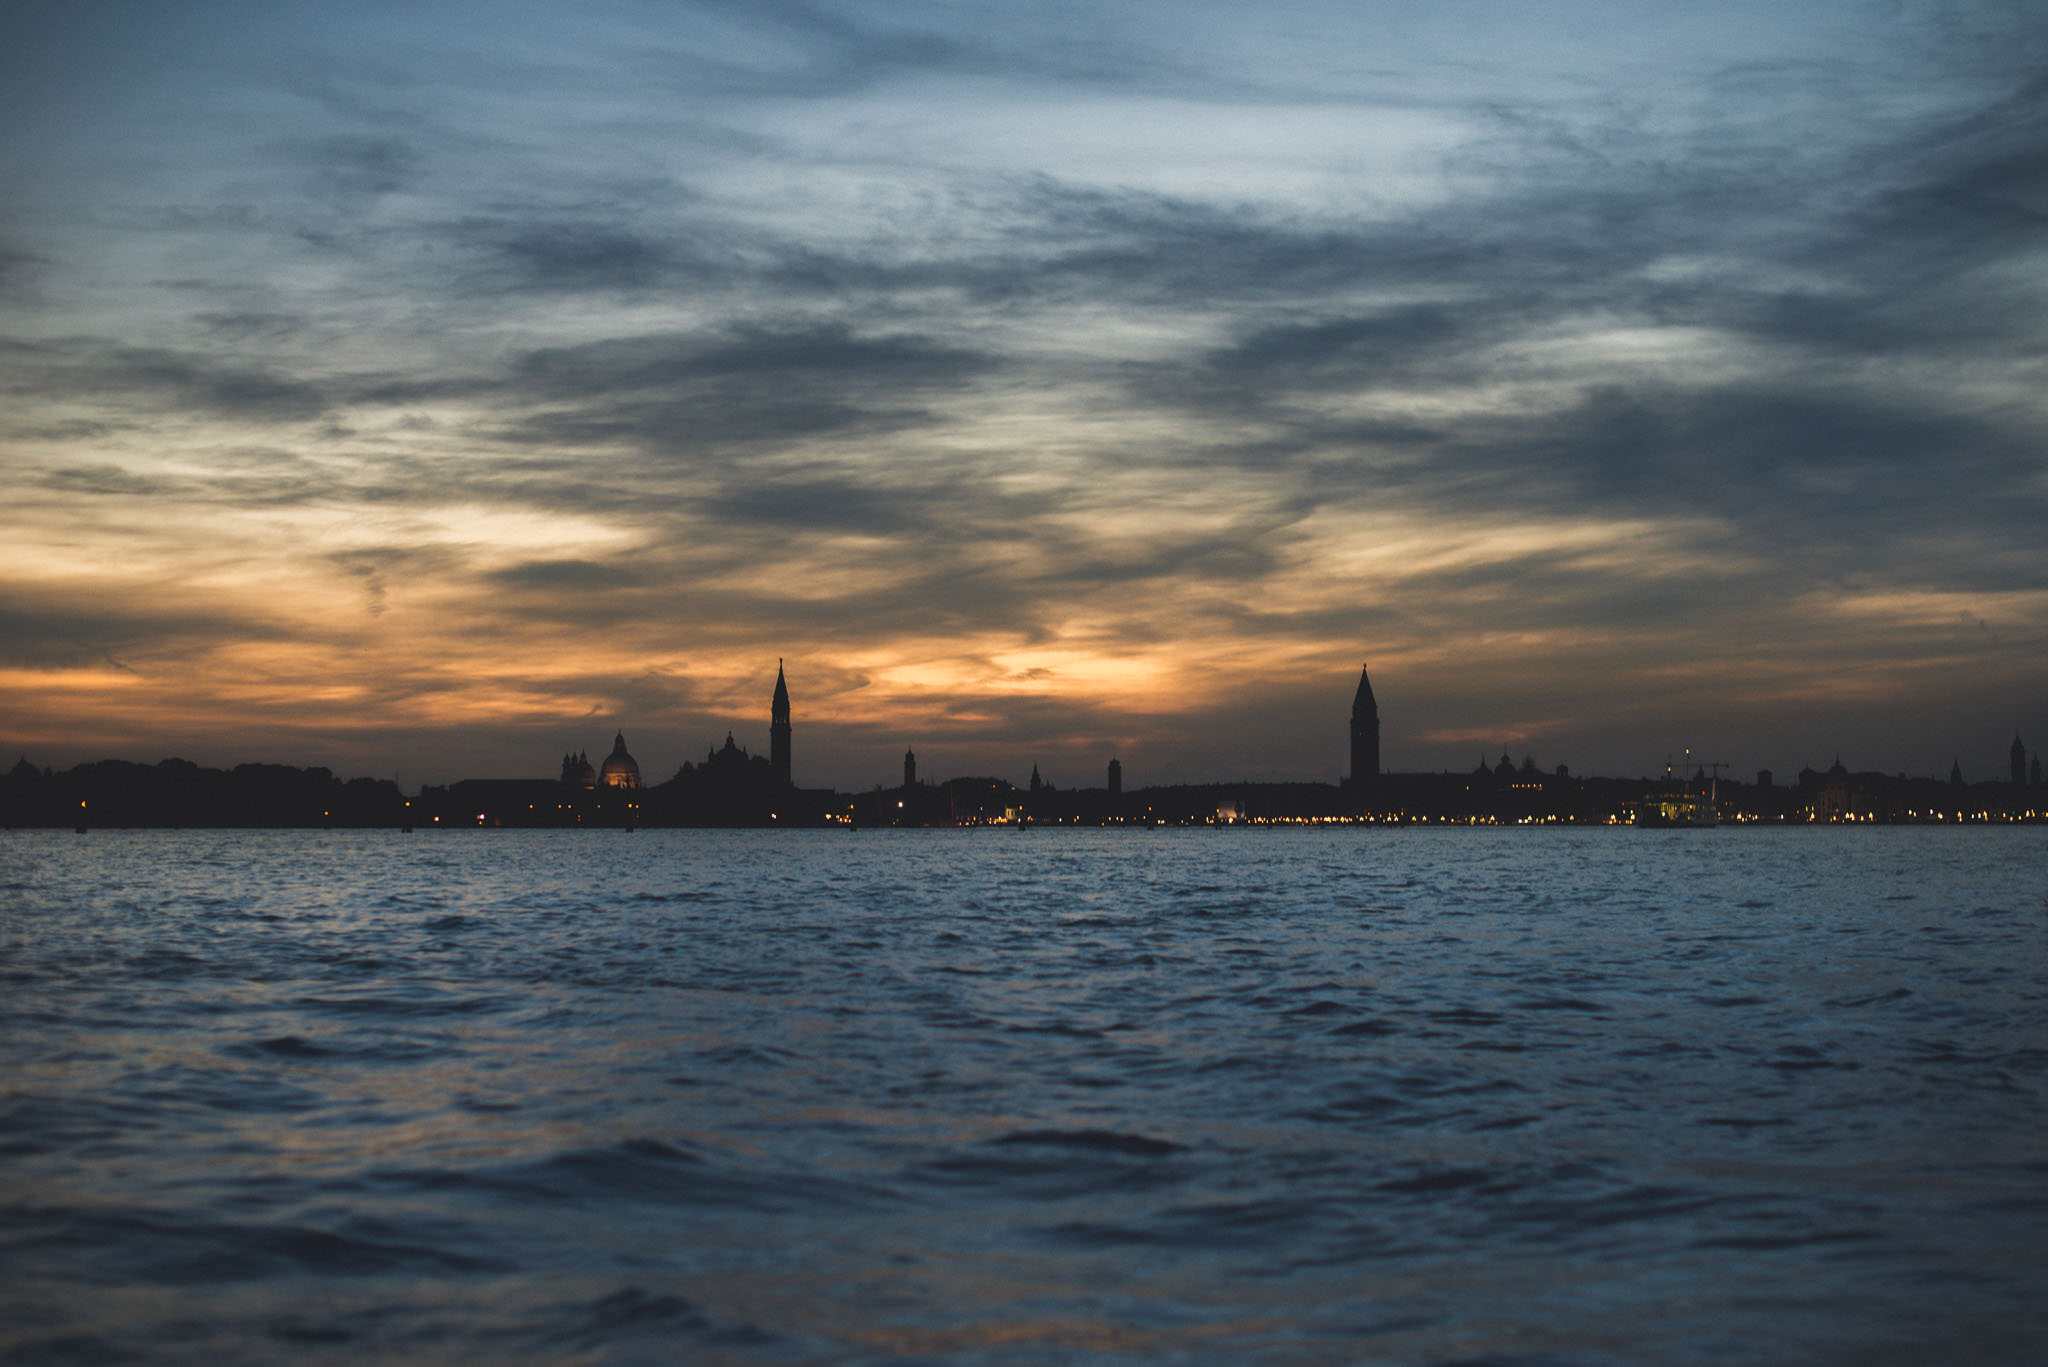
731 786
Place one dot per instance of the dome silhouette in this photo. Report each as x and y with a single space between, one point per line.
620 770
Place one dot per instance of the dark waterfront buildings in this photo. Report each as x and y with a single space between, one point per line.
728 787
175 793
731 787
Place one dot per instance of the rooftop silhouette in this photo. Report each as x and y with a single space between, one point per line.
732 787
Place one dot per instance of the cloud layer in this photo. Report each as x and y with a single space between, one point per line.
1108 379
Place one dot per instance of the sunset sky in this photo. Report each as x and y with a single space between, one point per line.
428 389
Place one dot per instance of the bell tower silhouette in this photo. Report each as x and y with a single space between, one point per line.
778 729
1365 732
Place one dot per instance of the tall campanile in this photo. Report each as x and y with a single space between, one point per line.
1365 732
778 729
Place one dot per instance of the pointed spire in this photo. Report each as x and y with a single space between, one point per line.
778 728
1363 704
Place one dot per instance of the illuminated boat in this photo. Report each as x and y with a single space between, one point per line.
1679 811
1682 807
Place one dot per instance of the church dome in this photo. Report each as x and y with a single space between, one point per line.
620 770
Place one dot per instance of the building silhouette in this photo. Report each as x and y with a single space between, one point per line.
730 787
778 730
1365 732
620 770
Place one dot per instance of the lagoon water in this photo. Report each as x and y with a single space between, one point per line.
1002 1097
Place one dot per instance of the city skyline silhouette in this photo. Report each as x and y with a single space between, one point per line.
732 787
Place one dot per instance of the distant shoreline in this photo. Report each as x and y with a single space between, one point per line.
177 794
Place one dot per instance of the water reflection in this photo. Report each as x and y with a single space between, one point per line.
1406 1095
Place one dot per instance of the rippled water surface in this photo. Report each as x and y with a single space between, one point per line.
1025 1097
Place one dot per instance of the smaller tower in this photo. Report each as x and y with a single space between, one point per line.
1116 778
1955 772
778 729
910 768
1036 782
2019 763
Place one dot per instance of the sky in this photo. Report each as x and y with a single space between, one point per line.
426 390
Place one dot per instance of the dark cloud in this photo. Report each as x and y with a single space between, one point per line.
1273 367
374 567
799 50
17 269
162 379
1238 556
820 506
1976 185
55 631
828 352
1791 467
347 171
748 386
556 255
104 480
236 326
574 576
